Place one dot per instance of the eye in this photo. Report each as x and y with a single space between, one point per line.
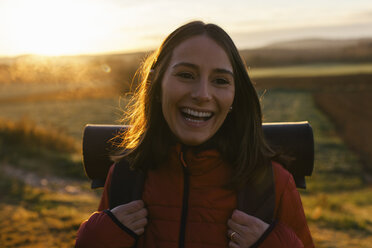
221 81
185 75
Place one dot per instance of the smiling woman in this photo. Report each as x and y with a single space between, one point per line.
56 28
195 138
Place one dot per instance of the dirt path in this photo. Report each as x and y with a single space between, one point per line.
47 212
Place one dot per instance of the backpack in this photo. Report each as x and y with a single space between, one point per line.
293 139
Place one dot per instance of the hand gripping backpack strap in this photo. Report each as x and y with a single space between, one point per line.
259 199
126 184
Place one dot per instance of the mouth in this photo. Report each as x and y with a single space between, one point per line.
195 115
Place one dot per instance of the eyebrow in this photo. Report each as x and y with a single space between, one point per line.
218 70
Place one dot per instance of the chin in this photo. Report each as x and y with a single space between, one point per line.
193 142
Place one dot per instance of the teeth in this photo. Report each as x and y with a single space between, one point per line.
196 113
195 121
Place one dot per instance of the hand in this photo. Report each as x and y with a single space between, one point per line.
247 229
132 215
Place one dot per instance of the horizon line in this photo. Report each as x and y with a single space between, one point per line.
139 51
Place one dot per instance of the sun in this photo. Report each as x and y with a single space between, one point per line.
56 27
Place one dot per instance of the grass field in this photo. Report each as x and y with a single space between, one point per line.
68 116
336 202
312 70
44 195
351 111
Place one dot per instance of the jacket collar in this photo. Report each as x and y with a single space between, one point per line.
197 161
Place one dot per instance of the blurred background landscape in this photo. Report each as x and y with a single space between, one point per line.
49 93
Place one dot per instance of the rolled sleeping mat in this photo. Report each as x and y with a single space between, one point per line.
294 139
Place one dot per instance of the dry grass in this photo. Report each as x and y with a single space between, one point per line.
335 83
344 99
33 217
337 202
352 115
66 95
340 219
312 70
67 116
26 133
39 206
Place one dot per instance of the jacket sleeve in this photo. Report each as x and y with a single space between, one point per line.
102 228
290 228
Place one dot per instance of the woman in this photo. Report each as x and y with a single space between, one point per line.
196 133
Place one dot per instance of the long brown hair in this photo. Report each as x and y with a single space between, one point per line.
240 139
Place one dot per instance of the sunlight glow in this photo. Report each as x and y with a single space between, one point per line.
72 27
57 27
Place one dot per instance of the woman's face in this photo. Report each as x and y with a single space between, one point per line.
197 90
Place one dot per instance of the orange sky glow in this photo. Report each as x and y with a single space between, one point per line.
70 27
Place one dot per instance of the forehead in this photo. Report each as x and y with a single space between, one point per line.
201 51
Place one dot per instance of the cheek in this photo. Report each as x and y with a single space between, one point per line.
166 97
172 92
228 99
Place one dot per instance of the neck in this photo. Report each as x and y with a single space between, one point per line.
208 145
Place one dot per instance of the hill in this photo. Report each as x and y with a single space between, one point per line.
119 69
310 51
317 43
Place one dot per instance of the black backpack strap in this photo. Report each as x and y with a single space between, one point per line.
259 199
126 184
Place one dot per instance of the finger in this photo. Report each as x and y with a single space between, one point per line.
139 231
133 206
249 223
133 217
129 207
235 226
234 237
139 224
232 244
249 232
229 232
142 213
243 218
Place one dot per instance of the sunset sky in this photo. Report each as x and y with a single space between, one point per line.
70 27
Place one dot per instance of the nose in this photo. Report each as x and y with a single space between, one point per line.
201 91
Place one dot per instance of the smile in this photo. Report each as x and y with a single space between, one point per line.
196 116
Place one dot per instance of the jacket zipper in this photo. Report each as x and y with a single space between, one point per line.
185 200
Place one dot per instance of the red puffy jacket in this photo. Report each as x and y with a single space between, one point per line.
209 207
